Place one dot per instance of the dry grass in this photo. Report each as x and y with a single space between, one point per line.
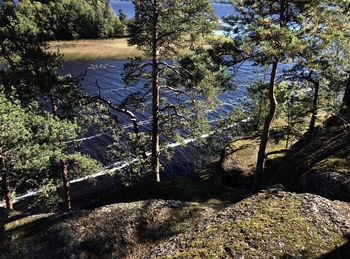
95 49
116 49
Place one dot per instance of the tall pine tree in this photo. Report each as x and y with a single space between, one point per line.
162 28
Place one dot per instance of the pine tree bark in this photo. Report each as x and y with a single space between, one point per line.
311 130
8 194
346 100
155 95
54 107
66 185
259 171
261 98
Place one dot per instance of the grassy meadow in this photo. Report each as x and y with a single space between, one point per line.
95 49
114 49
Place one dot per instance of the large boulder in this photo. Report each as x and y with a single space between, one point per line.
113 231
274 224
269 224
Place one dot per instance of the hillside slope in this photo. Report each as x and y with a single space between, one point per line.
321 167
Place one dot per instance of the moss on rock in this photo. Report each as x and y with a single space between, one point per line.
269 224
112 231
266 225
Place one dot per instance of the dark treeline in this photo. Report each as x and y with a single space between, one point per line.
73 19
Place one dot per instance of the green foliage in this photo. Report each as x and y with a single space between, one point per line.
226 129
84 20
188 84
28 140
285 31
48 198
299 32
82 165
178 19
33 143
122 16
30 71
71 19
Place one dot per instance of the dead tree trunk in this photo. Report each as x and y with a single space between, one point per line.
8 194
155 95
258 179
66 185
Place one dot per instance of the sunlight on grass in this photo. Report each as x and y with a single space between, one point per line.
95 49
116 49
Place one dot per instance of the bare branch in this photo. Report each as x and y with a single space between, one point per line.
100 98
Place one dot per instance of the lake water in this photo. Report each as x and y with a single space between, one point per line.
108 75
221 10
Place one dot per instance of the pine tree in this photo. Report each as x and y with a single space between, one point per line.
162 28
273 32
28 140
31 75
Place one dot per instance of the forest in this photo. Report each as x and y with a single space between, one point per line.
187 129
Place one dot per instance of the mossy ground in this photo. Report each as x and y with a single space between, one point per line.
238 166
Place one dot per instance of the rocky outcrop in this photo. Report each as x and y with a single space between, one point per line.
273 223
321 167
113 231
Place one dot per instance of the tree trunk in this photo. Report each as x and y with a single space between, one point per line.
311 130
261 99
8 194
346 100
258 179
193 39
66 185
288 128
54 107
155 95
